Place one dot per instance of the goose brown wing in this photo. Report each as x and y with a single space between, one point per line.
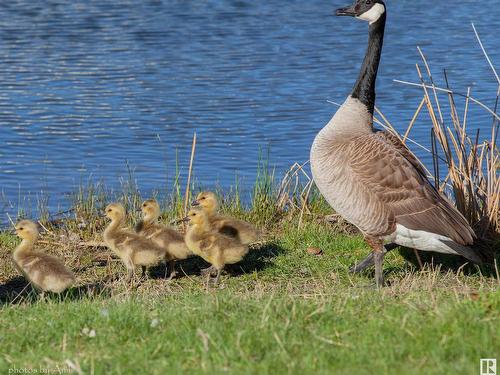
389 170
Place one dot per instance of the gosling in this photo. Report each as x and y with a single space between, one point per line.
216 248
162 235
239 229
45 272
133 249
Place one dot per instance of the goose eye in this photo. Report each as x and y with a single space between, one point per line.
21 228
109 210
202 198
194 214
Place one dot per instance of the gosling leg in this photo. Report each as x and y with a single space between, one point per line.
217 278
209 270
171 270
207 282
130 273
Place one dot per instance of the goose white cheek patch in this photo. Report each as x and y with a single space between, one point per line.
373 14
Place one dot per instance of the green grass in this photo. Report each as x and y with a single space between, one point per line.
325 330
281 311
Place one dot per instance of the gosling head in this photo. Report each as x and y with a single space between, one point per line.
150 209
27 230
196 217
207 201
366 10
115 211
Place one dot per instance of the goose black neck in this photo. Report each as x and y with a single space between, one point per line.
364 89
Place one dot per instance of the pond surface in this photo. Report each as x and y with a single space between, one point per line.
92 88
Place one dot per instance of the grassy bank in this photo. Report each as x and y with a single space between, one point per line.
282 310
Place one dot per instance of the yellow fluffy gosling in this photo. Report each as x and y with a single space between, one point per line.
239 229
216 248
45 272
133 249
164 236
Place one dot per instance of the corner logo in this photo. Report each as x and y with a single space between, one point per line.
488 366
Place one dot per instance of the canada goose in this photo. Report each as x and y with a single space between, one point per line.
162 235
130 247
372 179
45 272
216 248
239 229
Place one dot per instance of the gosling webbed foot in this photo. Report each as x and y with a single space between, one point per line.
210 271
173 275
213 280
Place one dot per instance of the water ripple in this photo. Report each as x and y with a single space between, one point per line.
88 86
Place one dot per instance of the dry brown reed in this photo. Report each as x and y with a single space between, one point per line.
471 164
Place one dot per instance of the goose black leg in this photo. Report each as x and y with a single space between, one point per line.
379 272
377 247
369 260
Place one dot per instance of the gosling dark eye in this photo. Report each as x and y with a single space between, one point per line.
21 228
194 214
202 198
109 210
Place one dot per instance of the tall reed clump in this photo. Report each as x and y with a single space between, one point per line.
471 163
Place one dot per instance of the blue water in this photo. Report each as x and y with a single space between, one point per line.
89 86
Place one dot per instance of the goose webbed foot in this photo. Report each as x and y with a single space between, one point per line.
363 265
370 260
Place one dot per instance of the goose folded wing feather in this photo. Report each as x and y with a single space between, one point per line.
399 183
